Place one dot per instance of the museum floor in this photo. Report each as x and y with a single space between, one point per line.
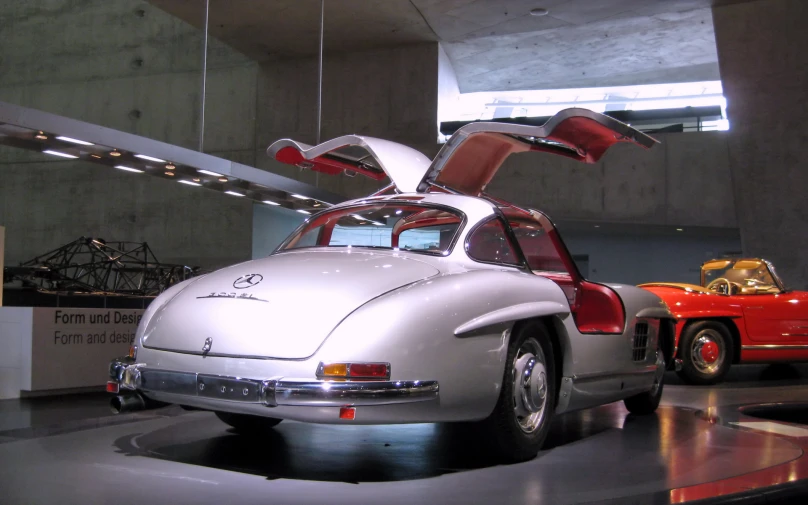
68 450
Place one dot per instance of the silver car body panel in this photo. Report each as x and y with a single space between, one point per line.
415 327
442 320
257 320
403 165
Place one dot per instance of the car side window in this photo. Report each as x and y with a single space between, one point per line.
489 243
309 239
539 250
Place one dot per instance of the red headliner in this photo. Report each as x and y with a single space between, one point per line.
324 164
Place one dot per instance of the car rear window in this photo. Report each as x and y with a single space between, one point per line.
384 225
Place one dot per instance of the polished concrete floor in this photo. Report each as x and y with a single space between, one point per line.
597 455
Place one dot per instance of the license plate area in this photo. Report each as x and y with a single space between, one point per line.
222 388
205 386
180 383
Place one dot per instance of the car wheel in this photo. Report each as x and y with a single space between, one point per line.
521 418
647 402
706 352
244 423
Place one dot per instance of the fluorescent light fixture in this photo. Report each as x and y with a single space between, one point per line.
233 193
358 217
208 172
144 157
270 202
303 211
183 181
299 197
377 223
57 153
75 141
679 229
128 169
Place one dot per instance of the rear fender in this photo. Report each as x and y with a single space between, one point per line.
415 329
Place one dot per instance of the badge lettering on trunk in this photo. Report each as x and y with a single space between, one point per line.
206 347
247 281
242 296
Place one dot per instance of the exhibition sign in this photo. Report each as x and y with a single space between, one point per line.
72 348
66 348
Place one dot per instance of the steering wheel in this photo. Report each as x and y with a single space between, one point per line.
713 286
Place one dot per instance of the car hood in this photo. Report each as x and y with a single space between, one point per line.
283 306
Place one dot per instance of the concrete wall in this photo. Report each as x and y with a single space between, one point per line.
448 88
2 256
761 54
388 93
132 67
646 256
684 181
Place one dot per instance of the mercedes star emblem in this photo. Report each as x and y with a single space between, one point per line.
247 281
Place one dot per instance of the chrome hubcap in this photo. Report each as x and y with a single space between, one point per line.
529 385
707 353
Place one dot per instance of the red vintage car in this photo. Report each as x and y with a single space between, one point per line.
741 313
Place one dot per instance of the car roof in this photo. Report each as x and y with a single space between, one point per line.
475 208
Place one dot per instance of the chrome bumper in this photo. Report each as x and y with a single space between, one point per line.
269 392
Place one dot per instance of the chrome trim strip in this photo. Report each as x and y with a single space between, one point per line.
650 369
773 347
271 392
336 394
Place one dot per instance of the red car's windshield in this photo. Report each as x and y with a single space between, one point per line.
387 225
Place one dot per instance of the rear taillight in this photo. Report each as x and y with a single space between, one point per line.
369 371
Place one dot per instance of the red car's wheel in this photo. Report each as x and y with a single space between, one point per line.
706 352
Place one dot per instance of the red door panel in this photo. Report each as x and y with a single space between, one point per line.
776 319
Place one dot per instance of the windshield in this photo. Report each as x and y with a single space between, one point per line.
747 277
386 225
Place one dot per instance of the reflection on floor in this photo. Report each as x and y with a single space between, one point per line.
601 454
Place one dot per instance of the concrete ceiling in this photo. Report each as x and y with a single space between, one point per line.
494 45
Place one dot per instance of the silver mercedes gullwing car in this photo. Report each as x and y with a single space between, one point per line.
429 301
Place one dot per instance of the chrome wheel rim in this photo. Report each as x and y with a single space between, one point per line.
529 385
707 352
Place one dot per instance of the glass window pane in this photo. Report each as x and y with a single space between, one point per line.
489 243
387 225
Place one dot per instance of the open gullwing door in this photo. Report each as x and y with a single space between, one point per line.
474 153
352 154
